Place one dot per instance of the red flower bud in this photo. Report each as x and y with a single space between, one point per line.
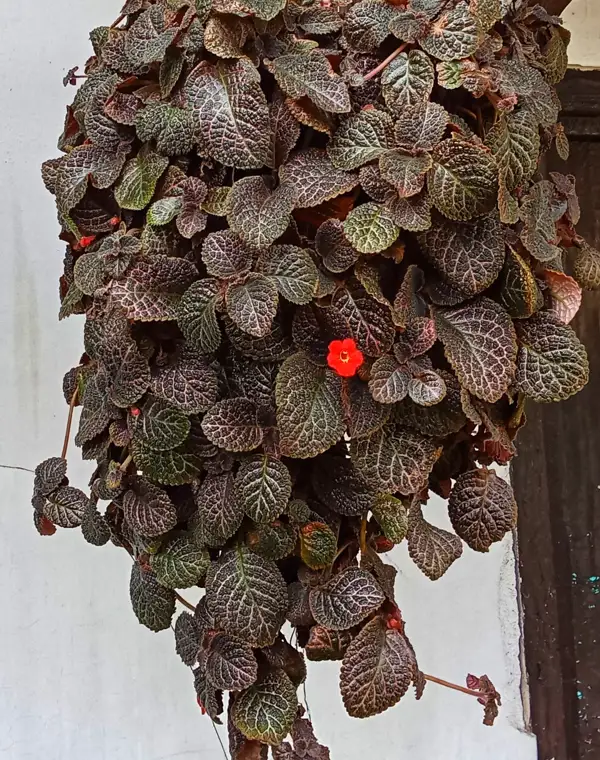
134 411
115 221
85 241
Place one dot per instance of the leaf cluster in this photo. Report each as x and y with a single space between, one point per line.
242 182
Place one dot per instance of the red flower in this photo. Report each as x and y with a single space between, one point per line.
85 241
344 357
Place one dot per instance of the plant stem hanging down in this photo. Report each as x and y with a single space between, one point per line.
69 423
386 62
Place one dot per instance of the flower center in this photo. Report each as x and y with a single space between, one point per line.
344 357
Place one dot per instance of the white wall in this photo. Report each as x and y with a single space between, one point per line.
79 678
582 18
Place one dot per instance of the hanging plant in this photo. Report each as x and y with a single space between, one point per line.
320 274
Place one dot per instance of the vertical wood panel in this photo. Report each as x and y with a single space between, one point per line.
557 481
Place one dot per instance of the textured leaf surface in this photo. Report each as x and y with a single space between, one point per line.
173 467
346 600
188 384
49 474
314 179
464 180
160 426
539 233
392 516
187 638
361 138
311 75
515 142
427 388
369 322
480 342
66 506
309 409
552 363
258 215
325 644
421 126
266 711
370 228
376 671
394 459
220 512
318 545
247 596
230 113
565 295
230 663
197 318
412 214
181 563
366 25
252 305
405 171
148 509
85 162
364 414
432 549
468 255
482 508
172 128
232 424
153 604
586 268
389 380
293 271
453 35
263 487
333 246
285 131
408 80
137 184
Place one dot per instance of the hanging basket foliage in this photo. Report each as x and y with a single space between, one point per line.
320 272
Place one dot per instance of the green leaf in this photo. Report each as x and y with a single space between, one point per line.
464 180
163 211
148 509
369 322
220 513
94 527
284 132
137 184
520 294
263 487
252 305
480 343
217 201
552 363
326 645
257 215
309 409
392 516
421 126
173 467
187 638
188 384
487 13
49 474
539 233
361 138
266 711
230 663
370 228
586 267
230 113
264 9
172 128
333 246
320 20
366 25
293 271
181 563
318 545
394 459
377 670
153 604
346 600
152 289
197 318
86 162
453 35
515 142
171 67
468 255
432 549
66 506
314 179
159 426
482 508
405 171
311 75
247 596
407 81
274 541
232 424
149 37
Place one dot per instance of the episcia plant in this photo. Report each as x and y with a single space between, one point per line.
321 273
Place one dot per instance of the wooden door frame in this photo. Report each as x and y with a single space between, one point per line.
556 478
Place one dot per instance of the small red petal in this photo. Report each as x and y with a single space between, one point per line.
336 346
115 221
348 344
85 241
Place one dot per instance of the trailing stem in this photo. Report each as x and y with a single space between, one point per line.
69 423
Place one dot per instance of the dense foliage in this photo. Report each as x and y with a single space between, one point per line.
320 274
